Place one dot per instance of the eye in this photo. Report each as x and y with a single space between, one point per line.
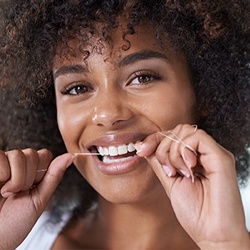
144 77
76 89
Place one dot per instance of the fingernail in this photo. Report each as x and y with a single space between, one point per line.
167 170
138 146
185 158
185 173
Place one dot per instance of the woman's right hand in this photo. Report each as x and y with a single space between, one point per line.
28 179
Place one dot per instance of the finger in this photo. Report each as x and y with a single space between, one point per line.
178 147
163 149
4 168
44 159
149 145
160 172
168 168
177 161
211 154
169 142
44 190
31 158
189 157
17 165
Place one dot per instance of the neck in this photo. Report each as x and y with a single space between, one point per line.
142 225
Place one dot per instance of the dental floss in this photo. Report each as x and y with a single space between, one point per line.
75 154
42 170
178 140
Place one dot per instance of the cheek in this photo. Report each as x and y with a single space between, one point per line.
170 108
71 124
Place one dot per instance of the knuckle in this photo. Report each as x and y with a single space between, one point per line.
230 156
31 154
4 167
200 133
183 128
29 151
45 152
46 155
179 127
186 126
15 154
17 167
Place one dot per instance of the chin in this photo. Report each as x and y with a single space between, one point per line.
132 192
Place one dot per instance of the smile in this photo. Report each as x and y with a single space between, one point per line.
116 150
113 154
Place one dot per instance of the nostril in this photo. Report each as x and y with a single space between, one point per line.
109 115
118 121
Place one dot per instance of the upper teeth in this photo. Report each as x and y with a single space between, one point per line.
116 150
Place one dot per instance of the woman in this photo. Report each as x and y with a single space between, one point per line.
151 99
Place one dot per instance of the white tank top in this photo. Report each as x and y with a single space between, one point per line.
43 234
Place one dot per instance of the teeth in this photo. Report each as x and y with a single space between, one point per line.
122 149
131 147
114 151
106 159
103 151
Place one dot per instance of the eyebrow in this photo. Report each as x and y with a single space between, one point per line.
142 55
129 59
69 69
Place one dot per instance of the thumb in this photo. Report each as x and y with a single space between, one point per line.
49 183
166 181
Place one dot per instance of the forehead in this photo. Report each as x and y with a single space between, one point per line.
115 49
112 48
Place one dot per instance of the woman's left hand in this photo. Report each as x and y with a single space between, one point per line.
202 187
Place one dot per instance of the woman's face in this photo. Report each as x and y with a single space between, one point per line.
115 98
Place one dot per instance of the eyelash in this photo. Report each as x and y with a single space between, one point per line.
145 74
68 89
140 74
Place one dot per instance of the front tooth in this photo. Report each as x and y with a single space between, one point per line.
122 149
105 151
113 151
101 150
131 147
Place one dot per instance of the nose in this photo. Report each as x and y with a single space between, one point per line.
111 109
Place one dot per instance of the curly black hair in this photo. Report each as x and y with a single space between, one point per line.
213 35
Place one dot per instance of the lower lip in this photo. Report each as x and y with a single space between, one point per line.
117 168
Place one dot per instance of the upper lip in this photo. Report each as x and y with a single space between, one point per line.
115 139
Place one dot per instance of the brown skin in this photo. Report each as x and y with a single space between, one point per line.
140 208
21 203
118 107
114 111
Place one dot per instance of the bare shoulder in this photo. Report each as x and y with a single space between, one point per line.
71 236
63 242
